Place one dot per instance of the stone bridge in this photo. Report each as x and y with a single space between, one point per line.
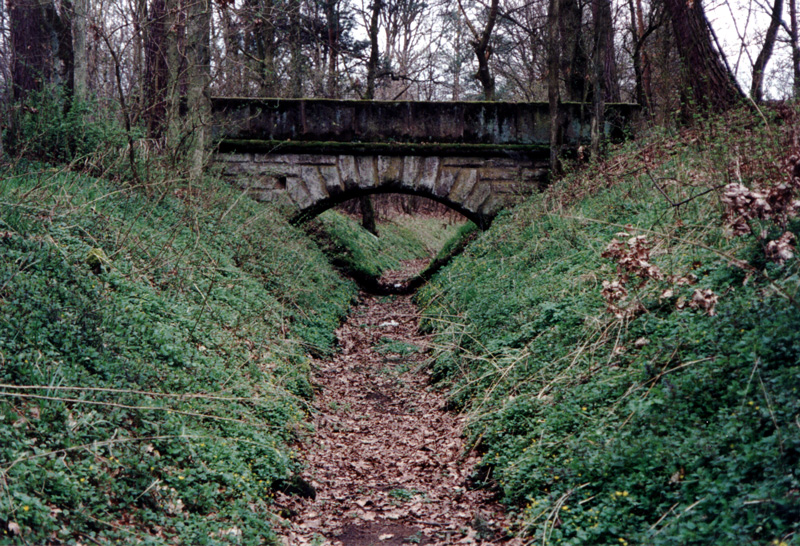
475 157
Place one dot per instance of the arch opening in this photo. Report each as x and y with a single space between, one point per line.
409 246
483 221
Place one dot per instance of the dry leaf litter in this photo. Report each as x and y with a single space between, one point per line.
387 461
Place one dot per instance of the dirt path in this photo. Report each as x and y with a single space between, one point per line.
387 461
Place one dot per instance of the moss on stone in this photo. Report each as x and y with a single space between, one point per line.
380 148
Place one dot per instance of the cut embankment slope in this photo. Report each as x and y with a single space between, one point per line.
365 257
644 391
154 347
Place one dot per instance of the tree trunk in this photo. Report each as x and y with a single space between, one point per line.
793 38
713 87
139 17
267 52
333 47
198 57
366 206
553 96
175 79
367 214
261 45
480 45
484 52
574 63
32 54
81 67
610 80
636 38
601 13
374 53
156 71
457 59
641 60
757 87
60 24
234 81
296 51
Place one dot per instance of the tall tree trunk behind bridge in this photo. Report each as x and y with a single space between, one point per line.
484 52
574 62
757 87
34 45
295 50
712 85
261 45
80 18
156 71
601 11
198 56
480 46
332 18
366 205
553 94
794 39
609 56
641 58
374 53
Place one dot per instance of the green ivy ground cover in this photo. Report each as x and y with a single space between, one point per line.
663 425
356 250
153 358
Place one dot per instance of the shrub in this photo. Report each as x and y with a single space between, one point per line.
51 126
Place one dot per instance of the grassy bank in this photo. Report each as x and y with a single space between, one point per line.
643 391
365 255
155 348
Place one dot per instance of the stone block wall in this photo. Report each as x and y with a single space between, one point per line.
311 183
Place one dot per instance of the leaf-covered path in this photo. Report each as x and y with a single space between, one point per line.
387 461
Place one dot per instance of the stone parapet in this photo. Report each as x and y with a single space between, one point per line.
407 122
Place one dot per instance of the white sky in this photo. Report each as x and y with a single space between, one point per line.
740 26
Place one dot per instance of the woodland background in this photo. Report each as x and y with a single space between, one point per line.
140 62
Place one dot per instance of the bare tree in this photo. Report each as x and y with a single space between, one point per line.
365 202
198 58
374 53
574 61
296 66
757 86
332 21
37 36
795 46
601 11
261 44
520 60
156 68
712 84
640 56
481 48
410 35
553 94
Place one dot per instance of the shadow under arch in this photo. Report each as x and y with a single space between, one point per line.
482 220
374 285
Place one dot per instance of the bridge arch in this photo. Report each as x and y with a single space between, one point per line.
475 157
307 184
310 213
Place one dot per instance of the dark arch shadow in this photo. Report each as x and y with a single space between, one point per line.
371 284
481 220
